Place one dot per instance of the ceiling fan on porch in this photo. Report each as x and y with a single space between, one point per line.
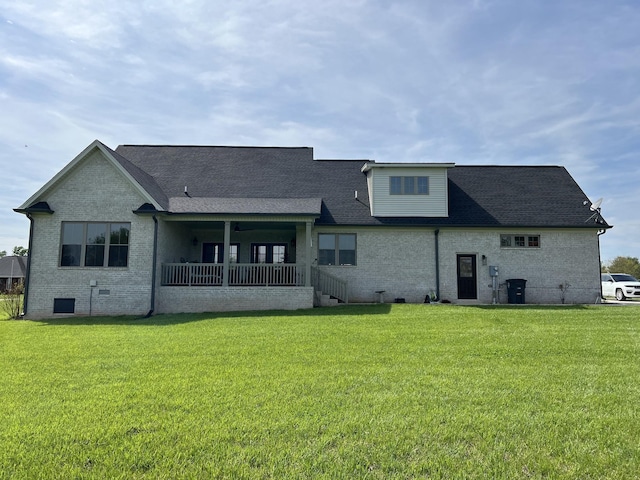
237 228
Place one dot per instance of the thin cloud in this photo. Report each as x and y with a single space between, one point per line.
467 82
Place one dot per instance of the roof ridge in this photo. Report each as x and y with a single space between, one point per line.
212 146
509 166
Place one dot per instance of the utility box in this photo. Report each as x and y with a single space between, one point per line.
515 290
493 270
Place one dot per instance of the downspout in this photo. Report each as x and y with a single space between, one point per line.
437 249
27 274
600 232
153 267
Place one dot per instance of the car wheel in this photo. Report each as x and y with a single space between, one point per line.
620 296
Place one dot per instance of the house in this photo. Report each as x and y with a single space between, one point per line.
160 229
12 271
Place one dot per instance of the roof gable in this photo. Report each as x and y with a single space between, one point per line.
108 154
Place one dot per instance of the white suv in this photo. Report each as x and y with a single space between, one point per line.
620 285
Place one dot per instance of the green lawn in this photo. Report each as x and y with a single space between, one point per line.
382 391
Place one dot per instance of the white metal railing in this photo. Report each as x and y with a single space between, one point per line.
329 284
211 274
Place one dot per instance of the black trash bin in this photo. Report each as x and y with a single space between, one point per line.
515 290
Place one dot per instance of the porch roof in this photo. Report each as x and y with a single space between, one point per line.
246 206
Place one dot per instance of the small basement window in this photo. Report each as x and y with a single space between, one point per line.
64 305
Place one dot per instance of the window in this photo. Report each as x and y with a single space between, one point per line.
409 185
72 235
214 252
118 244
423 185
87 244
395 185
96 239
268 253
336 249
520 241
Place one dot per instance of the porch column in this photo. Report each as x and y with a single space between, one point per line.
307 263
225 260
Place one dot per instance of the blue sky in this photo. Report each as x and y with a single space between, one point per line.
530 82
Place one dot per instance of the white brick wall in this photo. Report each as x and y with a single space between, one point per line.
564 256
83 196
222 299
401 261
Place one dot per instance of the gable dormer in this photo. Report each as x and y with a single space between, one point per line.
408 189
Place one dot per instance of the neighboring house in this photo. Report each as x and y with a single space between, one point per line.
12 271
146 229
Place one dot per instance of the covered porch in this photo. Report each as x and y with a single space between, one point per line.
247 252
238 263
236 254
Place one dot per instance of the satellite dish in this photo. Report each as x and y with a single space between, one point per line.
595 206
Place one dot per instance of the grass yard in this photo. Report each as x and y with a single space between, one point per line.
380 391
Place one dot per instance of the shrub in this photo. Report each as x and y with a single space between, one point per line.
11 301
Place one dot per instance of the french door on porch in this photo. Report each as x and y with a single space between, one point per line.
214 252
269 253
467 277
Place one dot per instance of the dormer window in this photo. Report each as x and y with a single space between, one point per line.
409 185
408 189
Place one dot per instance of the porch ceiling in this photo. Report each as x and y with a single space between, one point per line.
240 226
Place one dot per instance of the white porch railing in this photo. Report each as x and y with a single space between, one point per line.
188 274
210 274
287 274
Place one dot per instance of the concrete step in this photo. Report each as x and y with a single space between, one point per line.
327 301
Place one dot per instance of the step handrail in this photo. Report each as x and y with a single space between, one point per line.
329 284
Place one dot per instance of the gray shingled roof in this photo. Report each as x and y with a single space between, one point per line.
507 196
17 270
145 180
247 206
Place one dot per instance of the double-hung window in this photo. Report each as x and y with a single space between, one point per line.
94 244
337 249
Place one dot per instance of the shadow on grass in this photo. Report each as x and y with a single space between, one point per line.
178 318
531 307
352 309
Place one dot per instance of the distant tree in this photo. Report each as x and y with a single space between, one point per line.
3 253
20 251
629 265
